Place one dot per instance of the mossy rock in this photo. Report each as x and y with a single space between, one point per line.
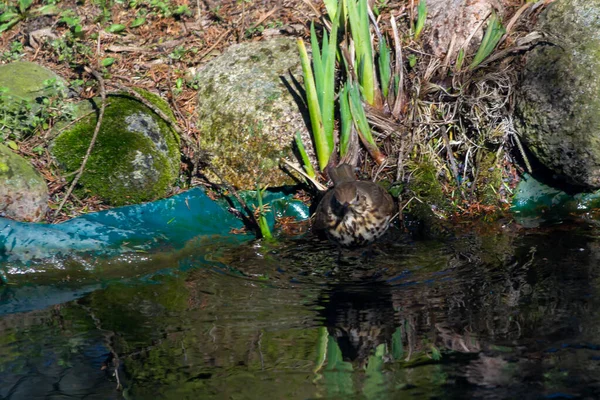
559 98
26 80
247 114
23 191
136 154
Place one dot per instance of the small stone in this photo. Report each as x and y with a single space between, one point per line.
23 191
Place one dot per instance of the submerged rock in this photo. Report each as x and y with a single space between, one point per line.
136 155
23 191
559 99
247 115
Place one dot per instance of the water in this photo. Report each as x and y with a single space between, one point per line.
498 312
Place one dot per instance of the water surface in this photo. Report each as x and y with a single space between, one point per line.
498 312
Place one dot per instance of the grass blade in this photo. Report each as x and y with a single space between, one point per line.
328 84
359 25
320 141
345 120
459 60
265 231
332 8
493 34
385 68
421 18
362 125
305 160
316 61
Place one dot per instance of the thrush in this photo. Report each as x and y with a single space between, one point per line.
353 212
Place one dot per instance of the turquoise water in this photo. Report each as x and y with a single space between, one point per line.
497 312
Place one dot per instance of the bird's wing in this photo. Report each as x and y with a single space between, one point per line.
378 195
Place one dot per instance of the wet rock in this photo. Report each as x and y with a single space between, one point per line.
23 191
558 101
136 155
247 115
459 18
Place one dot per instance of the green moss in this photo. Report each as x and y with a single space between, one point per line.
425 183
136 155
25 80
489 179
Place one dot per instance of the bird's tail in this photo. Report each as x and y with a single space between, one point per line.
342 173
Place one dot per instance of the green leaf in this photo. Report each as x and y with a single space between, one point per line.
12 144
262 220
421 17
107 62
49 9
332 8
345 120
8 16
328 86
362 125
116 28
361 35
412 60
493 34
305 160
459 60
24 5
385 68
137 22
8 25
321 145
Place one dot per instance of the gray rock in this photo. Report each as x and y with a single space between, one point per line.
247 115
136 155
23 191
459 18
559 100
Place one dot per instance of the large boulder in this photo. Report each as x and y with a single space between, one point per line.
559 100
23 191
247 115
136 156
